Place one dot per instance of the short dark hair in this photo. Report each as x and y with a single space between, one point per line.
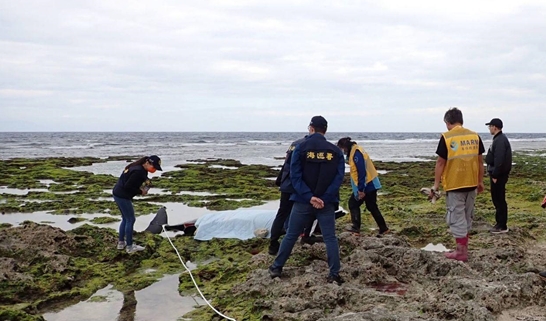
454 116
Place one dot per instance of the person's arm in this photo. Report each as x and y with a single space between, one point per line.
296 176
481 150
438 171
135 180
480 174
361 170
332 192
441 151
499 157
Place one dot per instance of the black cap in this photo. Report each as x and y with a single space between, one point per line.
495 122
155 161
318 122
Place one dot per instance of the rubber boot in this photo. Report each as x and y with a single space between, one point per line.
461 253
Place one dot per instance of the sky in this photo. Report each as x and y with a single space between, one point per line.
237 65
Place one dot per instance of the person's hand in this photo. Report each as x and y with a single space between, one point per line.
433 189
317 202
144 191
361 195
494 180
481 187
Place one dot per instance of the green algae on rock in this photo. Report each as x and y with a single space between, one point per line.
104 220
77 192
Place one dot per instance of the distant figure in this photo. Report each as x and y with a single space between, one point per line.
460 168
499 165
316 172
365 184
543 205
133 181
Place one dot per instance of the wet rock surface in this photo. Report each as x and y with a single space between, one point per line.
387 279
43 266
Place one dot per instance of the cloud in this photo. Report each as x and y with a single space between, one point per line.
231 65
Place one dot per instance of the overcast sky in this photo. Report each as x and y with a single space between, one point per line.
270 66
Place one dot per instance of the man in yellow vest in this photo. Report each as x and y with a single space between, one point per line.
365 183
460 168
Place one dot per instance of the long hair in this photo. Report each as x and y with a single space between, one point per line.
345 142
139 161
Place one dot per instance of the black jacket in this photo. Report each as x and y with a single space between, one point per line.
130 182
283 180
317 169
499 156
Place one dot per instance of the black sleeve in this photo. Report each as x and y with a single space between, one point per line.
499 157
134 182
278 180
441 150
482 148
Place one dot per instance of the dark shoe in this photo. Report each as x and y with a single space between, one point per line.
382 233
275 272
335 278
273 247
311 240
542 275
340 214
498 230
352 230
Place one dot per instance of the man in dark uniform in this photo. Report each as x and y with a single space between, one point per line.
499 165
317 169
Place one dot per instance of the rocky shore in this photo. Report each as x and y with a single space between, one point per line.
390 278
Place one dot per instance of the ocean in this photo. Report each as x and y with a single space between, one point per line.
247 147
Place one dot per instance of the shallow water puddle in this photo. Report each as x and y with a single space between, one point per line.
17 191
60 221
159 301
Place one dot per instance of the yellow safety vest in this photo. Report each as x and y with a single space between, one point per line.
371 173
463 148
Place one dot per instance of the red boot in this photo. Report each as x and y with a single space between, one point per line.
461 253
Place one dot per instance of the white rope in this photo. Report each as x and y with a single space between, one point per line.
191 275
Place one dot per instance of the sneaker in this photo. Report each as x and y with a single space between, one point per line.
352 230
335 278
273 248
498 230
274 272
121 245
134 248
381 234
542 275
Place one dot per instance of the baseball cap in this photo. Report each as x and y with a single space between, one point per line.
155 161
495 122
318 121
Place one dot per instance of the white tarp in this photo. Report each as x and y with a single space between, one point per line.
238 224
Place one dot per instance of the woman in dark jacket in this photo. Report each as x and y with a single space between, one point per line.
133 181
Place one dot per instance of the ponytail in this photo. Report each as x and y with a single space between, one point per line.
345 142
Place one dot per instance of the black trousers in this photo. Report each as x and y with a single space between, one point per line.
285 207
498 196
371 205
283 213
